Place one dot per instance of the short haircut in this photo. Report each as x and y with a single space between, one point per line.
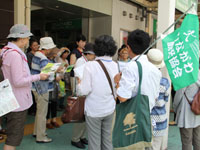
31 41
89 47
138 41
105 46
80 37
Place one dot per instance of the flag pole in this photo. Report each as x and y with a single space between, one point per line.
158 38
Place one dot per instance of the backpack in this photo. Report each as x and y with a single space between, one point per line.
195 104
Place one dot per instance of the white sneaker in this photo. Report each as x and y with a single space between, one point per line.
45 140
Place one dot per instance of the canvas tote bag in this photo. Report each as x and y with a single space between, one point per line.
132 123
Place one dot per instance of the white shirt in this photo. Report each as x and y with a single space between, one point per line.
99 99
82 60
79 69
151 76
121 65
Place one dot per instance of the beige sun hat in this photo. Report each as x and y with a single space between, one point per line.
155 56
46 43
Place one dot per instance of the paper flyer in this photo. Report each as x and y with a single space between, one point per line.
8 101
69 68
51 67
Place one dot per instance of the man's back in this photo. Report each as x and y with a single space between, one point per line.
150 80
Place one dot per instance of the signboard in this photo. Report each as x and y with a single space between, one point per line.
183 5
181 53
65 25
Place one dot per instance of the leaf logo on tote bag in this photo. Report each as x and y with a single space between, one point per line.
130 121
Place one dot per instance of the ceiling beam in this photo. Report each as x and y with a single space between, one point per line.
145 3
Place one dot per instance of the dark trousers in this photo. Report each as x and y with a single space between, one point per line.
61 101
52 107
52 110
32 109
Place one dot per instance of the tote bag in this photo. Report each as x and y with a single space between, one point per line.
132 123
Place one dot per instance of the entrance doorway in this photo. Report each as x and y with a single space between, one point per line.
62 21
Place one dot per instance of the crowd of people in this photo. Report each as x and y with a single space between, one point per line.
48 91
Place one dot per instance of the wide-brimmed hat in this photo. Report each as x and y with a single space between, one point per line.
155 56
46 43
89 49
64 50
19 31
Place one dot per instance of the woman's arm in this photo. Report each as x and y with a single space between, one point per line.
18 71
72 59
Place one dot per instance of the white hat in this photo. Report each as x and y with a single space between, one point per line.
19 31
155 56
46 43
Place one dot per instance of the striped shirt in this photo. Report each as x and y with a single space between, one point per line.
158 114
39 61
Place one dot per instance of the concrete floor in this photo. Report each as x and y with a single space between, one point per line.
62 138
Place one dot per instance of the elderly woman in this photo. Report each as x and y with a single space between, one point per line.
62 58
186 120
100 103
15 69
53 93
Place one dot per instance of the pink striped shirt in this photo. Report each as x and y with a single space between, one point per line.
15 69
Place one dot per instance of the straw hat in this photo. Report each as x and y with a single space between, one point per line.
155 56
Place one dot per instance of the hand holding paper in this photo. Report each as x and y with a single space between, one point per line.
44 76
51 67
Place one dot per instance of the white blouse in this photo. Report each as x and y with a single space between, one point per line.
99 99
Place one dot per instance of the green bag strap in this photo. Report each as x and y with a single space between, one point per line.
140 76
138 111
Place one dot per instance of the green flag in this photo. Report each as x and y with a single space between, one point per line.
181 52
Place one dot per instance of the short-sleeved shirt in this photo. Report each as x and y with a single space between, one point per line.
129 83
